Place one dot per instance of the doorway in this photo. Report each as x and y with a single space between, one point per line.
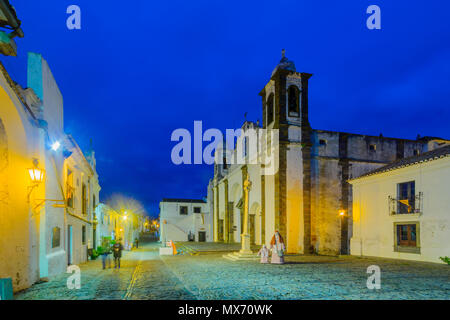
69 245
230 226
252 228
201 236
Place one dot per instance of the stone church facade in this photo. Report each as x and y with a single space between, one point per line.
303 199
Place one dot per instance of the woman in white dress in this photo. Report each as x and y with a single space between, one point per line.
278 248
264 254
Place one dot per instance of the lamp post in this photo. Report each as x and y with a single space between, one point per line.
36 176
164 223
94 227
125 229
342 219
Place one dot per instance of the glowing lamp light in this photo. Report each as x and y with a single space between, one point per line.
342 213
125 218
55 146
36 175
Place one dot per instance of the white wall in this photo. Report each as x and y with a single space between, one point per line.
51 260
178 226
373 226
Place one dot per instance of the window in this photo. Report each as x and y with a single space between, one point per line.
406 197
416 152
293 101
70 190
183 210
197 209
407 237
373 147
56 237
220 229
322 142
269 106
93 202
83 234
245 147
83 199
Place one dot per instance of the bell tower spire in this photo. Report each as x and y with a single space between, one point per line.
285 96
285 108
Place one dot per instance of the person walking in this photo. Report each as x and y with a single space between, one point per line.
117 251
136 243
105 255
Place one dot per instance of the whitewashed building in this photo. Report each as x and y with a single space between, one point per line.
185 219
35 222
107 223
82 193
402 210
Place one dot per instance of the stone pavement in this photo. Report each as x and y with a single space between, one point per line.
209 276
211 246
145 275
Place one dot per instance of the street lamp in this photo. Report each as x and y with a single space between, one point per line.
36 176
55 146
343 221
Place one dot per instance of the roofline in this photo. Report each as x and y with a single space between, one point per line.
420 140
77 147
13 87
389 169
183 200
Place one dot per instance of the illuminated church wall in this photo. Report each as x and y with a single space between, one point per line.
304 197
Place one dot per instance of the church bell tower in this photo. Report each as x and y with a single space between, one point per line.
287 192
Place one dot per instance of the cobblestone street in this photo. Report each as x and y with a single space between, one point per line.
142 275
207 275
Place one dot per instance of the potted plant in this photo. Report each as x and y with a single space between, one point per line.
445 259
94 254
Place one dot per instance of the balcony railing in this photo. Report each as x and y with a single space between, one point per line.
411 205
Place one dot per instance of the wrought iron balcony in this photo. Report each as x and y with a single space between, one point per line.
411 205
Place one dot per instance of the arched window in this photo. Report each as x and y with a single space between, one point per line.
269 106
293 101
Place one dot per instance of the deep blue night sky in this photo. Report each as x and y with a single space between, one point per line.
140 69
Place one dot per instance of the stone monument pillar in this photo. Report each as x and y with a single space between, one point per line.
245 253
245 236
